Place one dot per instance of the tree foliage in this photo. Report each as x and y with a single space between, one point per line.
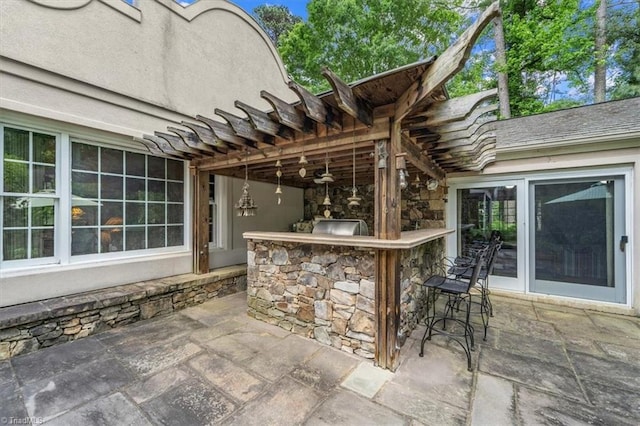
550 46
275 20
358 38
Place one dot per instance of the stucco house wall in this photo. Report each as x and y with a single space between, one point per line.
104 72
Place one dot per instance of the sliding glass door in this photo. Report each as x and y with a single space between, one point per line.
578 238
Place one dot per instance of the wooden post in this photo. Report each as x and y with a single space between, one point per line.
387 226
200 226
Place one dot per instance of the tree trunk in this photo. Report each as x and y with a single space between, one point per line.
501 65
600 76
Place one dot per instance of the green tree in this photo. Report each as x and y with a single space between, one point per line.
623 35
358 38
275 20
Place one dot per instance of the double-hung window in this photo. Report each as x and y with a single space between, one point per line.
28 195
110 201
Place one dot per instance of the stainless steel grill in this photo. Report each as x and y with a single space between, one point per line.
341 227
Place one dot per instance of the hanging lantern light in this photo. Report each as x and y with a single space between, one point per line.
326 177
303 160
327 201
417 182
279 188
354 200
246 206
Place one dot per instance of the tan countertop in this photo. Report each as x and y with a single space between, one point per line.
408 239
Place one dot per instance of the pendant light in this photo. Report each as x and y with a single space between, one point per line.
326 177
279 175
327 201
303 160
354 200
246 206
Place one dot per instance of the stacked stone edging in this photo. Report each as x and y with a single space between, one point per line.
31 326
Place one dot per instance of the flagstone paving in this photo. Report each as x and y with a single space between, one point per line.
212 364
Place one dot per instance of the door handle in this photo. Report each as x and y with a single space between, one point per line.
623 242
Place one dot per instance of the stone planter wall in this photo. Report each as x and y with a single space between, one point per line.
31 326
323 292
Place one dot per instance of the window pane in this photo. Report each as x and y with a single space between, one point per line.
16 177
42 243
175 170
111 188
136 214
156 167
156 236
135 164
16 144
175 213
84 241
483 212
44 178
175 192
84 215
111 161
84 185
44 148
111 213
156 213
135 189
15 212
111 240
174 235
15 244
156 190
84 157
135 237
42 213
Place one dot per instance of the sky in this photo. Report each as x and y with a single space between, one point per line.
297 7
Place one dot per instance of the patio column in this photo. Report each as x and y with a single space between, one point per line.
200 223
387 226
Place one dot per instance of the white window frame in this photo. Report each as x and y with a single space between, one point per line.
62 204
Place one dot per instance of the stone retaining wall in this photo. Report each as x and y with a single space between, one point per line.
31 326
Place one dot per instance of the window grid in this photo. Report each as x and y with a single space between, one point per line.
150 233
32 239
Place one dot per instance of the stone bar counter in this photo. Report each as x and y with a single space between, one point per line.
323 286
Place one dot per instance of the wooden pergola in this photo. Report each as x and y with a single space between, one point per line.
405 112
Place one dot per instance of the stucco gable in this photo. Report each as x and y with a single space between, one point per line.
184 59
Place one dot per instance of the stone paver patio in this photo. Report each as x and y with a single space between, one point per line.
212 364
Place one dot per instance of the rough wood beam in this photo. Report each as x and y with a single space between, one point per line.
155 149
177 143
457 109
200 227
314 108
261 121
166 146
243 128
225 133
420 160
191 139
445 66
346 100
479 114
362 137
286 114
453 139
206 136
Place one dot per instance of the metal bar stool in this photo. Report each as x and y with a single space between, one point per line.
457 291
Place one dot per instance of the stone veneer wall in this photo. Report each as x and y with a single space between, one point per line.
31 326
328 292
421 208
417 265
322 292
